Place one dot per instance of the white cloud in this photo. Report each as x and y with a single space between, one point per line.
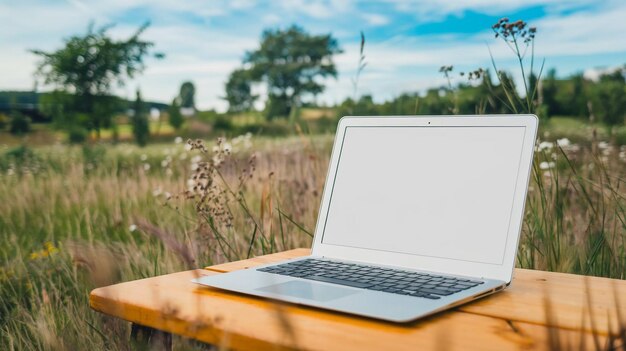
320 9
206 54
375 19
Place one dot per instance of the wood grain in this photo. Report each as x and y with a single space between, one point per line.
172 303
528 297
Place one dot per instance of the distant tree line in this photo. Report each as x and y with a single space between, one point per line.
290 66
601 100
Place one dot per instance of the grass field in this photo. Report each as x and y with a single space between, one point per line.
74 218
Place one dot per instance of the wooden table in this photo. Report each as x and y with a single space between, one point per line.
584 313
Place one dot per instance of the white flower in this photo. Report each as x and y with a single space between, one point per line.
132 228
146 166
545 145
188 147
164 163
156 192
190 184
228 147
546 165
194 166
216 160
564 142
143 157
603 145
178 140
167 195
196 159
169 172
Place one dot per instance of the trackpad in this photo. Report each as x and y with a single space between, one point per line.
306 290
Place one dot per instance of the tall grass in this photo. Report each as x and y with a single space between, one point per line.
74 219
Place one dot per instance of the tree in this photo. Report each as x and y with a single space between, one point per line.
140 123
175 117
239 91
291 62
549 92
19 124
610 98
187 95
87 68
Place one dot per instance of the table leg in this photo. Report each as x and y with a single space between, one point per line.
146 338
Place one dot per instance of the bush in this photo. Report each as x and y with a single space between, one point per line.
4 120
272 128
222 123
175 117
77 135
277 107
20 124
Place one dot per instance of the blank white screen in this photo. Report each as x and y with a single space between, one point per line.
442 192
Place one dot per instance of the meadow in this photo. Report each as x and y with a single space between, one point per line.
77 217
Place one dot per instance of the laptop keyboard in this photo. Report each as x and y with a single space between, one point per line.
388 280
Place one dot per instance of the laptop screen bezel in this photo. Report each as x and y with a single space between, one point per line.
501 272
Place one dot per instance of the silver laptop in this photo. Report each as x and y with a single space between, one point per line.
419 214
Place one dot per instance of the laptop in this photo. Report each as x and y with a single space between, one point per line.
419 214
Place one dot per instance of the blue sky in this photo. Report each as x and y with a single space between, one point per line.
407 40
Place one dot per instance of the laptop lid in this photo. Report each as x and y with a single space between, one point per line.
437 193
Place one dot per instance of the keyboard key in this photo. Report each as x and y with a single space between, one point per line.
435 292
338 281
394 281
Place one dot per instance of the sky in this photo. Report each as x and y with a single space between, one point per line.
406 40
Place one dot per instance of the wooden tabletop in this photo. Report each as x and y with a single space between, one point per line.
584 311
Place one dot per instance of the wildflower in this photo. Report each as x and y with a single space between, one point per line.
564 142
143 157
228 147
146 166
216 160
50 248
603 145
545 145
164 163
178 140
188 147
167 195
132 228
546 165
